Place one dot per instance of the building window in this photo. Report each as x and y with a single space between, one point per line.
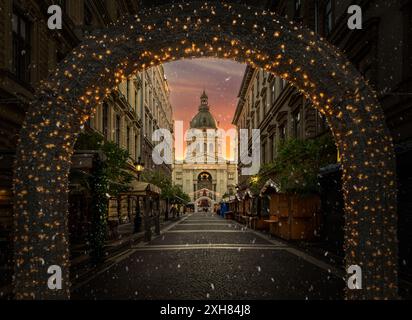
282 132
118 130
146 91
88 16
265 105
105 120
136 97
258 84
328 19
273 92
21 47
264 152
127 90
273 148
316 22
297 121
282 84
136 147
128 138
298 8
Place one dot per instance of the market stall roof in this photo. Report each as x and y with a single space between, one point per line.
270 185
143 189
229 198
182 201
248 193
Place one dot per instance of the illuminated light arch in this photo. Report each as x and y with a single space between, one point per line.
210 200
198 29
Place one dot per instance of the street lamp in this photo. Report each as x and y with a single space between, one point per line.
139 168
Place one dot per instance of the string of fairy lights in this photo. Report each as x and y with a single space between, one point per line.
260 38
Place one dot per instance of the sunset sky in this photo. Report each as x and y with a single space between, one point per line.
220 78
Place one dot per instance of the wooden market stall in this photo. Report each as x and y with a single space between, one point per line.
142 205
228 207
248 216
304 218
238 212
292 216
233 207
270 194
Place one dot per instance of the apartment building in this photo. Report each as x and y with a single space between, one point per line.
29 51
131 115
382 52
157 113
270 104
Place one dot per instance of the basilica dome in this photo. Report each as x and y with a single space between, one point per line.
204 119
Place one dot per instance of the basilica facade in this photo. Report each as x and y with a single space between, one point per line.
205 174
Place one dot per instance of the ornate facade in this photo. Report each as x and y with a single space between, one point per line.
205 174
129 117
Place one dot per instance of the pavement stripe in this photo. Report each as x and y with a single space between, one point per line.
209 246
208 224
207 231
206 221
122 256
173 225
319 263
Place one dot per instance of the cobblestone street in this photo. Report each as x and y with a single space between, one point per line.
206 257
